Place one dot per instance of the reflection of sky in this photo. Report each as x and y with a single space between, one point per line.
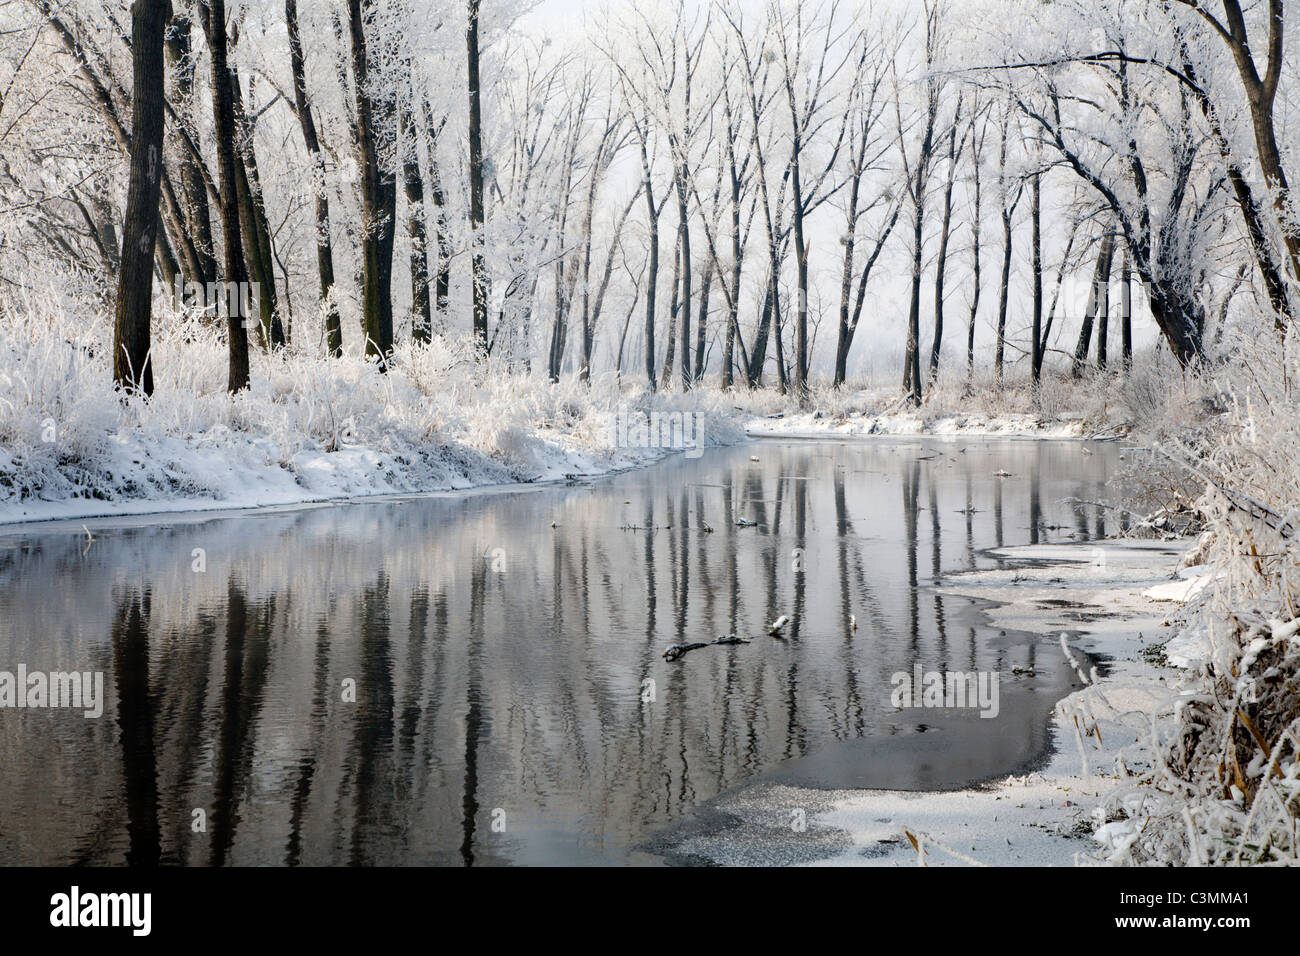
518 687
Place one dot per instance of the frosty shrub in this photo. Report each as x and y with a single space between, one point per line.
1222 787
438 419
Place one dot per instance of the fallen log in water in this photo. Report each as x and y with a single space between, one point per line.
676 651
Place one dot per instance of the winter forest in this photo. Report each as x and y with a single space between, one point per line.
268 252
682 194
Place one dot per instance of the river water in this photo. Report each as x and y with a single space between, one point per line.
479 679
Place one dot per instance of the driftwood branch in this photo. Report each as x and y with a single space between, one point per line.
675 651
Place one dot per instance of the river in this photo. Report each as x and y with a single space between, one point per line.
479 679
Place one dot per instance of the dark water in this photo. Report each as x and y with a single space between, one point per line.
501 646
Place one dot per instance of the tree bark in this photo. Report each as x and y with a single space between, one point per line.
1101 273
132 365
1000 350
198 215
975 268
437 195
942 262
849 319
236 273
652 268
685 260
254 227
1126 312
416 229
324 246
1102 292
378 200
1261 93
478 262
673 308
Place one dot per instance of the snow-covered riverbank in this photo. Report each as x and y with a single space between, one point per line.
424 427
1094 593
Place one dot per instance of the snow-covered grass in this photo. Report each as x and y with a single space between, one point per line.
313 429
1060 406
1226 790
308 429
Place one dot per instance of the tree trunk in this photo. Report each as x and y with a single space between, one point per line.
1103 309
758 358
1000 351
416 230
801 269
975 278
442 282
912 373
846 280
478 262
849 321
198 215
378 201
132 367
733 302
589 326
1260 96
652 268
1101 273
942 261
254 228
673 308
1126 312
684 214
236 273
701 324
1036 255
324 247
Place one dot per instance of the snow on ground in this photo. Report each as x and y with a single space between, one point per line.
308 431
222 470
817 424
1043 818
144 472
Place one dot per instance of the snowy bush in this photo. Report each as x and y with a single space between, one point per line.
309 427
1222 784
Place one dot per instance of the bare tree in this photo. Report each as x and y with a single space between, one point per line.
1010 190
916 177
1126 312
866 149
378 193
478 267
1098 301
320 192
980 116
224 120
132 366
809 68
1261 96
653 210
955 150
1036 268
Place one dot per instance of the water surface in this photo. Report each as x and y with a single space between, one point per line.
479 680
